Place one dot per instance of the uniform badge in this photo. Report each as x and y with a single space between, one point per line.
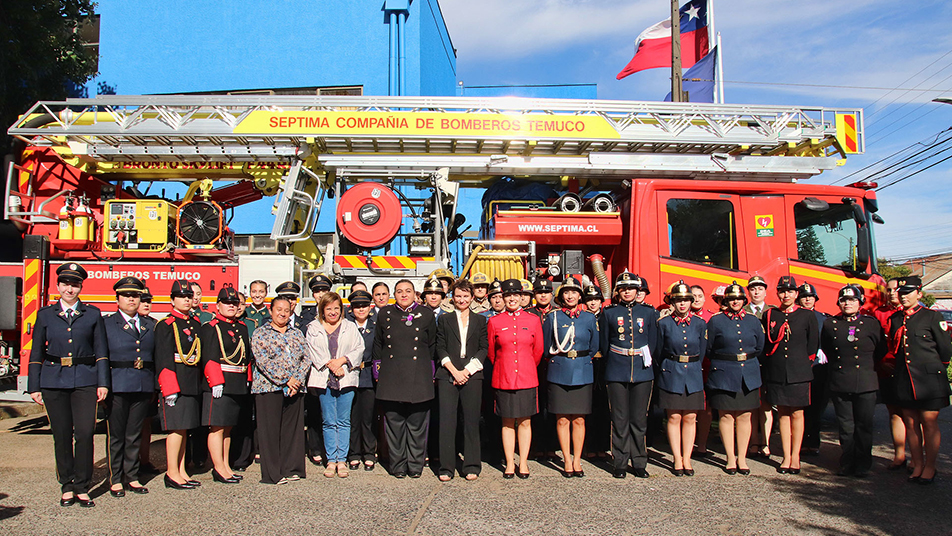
73 266
621 321
621 329
640 322
138 363
944 325
852 336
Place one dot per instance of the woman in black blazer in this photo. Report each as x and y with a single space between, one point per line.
459 380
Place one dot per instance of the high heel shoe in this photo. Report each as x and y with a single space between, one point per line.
579 474
689 472
730 470
522 475
677 472
508 476
85 503
567 474
68 501
744 472
141 490
927 481
117 492
169 483
218 478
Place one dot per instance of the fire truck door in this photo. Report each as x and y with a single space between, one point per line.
762 222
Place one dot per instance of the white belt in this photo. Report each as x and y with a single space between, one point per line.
240 369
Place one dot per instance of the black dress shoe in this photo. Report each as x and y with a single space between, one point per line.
793 471
619 473
509 476
86 503
522 475
117 492
218 478
579 474
68 502
677 472
240 469
927 481
239 477
689 472
730 470
913 479
141 490
414 475
400 474
640 473
169 483
783 470
744 472
567 474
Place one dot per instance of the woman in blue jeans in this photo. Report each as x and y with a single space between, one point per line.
336 349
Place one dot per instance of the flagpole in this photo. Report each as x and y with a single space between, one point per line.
711 32
720 71
677 94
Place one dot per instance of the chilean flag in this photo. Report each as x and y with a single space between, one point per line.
653 46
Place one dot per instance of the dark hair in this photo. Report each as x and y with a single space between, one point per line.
697 287
355 283
380 284
279 299
462 284
242 296
404 281
259 282
194 284
327 299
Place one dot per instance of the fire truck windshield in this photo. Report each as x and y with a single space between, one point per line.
828 237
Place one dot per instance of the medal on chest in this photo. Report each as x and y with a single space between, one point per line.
641 324
852 334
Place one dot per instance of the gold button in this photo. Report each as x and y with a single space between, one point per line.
71 340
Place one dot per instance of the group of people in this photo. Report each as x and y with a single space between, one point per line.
296 387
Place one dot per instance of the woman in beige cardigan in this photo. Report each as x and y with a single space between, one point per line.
336 349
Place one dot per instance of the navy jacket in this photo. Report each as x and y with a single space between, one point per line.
366 378
682 340
125 346
55 337
792 341
565 370
406 354
730 335
922 348
853 347
625 328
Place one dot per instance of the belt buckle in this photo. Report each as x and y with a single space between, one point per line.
572 354
138 364
631 351
66 361
684 359
742 357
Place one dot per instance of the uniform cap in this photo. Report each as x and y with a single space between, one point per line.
479 278
129 284
734 292
512 286
678 291
70 273
360 298
787 282
229 295
851 292
443 273
495 287
525 285
756 280
591 292
569 284
145 296
319 282
806 290
288 287
181 289
542 285
910 283
433 286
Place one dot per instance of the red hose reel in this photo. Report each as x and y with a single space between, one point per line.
369 214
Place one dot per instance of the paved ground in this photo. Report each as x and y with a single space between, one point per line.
815 502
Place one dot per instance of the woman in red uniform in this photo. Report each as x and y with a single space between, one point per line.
515 350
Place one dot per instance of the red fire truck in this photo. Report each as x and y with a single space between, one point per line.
707 193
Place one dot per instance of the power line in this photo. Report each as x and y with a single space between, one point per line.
827 86
904 81
895 169
870 142
935 139
897 181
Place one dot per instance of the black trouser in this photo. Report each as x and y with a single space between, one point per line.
72 414
280 435
813 415
543 423
314 422
125 414
406 425
628 404
854 418
453 398
490 436
242 453
598 434
363 436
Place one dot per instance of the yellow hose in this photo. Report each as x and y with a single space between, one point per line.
471 260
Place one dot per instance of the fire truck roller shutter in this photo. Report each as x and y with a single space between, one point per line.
369 214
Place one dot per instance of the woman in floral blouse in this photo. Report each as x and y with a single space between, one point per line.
280 370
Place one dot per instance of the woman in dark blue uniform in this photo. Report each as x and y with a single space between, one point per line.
734 340
819 394
178 352
226 356
570 336
69 374
683 337
131 340
363 437
922 347
793 337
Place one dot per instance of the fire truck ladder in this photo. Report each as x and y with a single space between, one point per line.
644 139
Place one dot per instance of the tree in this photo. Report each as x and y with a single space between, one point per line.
889 270
809 248
42 56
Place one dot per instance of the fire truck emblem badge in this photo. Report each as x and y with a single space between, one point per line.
72 266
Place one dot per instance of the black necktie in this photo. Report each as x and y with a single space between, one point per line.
69 316
135 328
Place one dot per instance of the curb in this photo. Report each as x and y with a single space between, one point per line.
24 409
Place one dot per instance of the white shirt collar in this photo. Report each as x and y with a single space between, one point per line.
69 307
134 320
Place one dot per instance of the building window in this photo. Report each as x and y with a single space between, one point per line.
827 237
702 230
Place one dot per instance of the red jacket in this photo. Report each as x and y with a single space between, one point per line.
515 349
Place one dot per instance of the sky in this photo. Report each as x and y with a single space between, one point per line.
808 53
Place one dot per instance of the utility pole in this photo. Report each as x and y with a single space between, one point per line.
677 94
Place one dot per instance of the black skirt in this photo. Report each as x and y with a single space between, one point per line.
517 404
569 399
184 415
681 401
927 404
745 400
222 411
794 395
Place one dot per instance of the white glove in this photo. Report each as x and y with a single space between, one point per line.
170 400
217 391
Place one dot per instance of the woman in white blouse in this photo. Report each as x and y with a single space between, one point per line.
461 348
336 349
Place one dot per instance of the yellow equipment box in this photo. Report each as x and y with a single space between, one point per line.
138 224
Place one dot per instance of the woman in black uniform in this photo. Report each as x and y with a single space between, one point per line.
735 338
793 337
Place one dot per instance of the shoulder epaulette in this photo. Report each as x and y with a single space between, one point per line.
213 322
169 320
